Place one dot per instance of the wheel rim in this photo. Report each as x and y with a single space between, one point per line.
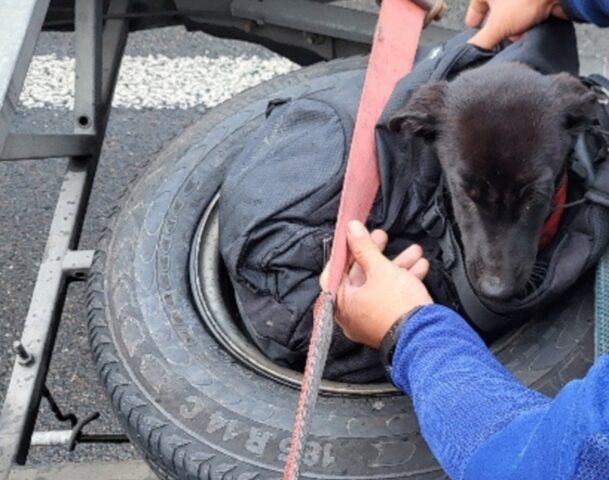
211 293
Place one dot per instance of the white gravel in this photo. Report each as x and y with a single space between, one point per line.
154 81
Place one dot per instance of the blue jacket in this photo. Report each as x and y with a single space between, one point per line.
592 11
481 423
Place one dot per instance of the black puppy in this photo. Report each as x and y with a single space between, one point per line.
502 133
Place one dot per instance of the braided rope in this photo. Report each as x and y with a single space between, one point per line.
321 338
601 313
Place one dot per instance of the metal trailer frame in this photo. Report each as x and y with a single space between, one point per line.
304 30
99 50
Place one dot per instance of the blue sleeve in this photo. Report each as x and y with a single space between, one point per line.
591 11
480 422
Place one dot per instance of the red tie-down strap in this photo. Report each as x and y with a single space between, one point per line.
393 51
550 226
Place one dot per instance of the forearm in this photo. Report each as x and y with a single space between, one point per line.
591 11
567 438
461 394
480 422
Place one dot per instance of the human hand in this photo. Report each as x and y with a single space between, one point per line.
507 18
376 292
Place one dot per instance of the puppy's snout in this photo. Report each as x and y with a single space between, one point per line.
492 287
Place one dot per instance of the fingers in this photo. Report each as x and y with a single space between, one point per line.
476 13
356 273
362 247
489 36
412 259
380 239
511 20
368 247
558 11
408 257
341 301
420 269
516 38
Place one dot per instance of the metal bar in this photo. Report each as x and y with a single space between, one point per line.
54 438
20 24
59 415
76 263
103 438
115 38
88 43
26 146
24 391
62 438
329 20
23 394
130 470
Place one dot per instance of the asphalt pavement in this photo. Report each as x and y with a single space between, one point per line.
169 79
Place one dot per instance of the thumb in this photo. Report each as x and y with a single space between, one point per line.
362 246
476 13
558 11
324 277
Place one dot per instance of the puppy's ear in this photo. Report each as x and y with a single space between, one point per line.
575 101
422 112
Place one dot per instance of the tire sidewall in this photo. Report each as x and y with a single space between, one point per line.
185 402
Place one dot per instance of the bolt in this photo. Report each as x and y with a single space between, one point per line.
249 26
314 38
23 357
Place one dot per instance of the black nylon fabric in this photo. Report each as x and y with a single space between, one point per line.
280 199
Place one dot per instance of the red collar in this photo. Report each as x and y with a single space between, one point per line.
550 227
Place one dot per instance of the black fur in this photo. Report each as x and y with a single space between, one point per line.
502 133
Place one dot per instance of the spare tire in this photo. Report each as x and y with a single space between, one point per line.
193 395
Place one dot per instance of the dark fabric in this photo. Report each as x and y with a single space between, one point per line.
280 199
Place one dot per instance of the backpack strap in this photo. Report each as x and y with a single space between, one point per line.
592 148
598 194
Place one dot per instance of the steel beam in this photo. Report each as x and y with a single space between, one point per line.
114 40
329 20
88 44
305 31
332 21
38 337
28 146
20 24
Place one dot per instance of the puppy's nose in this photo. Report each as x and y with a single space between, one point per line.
492 287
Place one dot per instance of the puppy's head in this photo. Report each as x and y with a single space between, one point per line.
502 134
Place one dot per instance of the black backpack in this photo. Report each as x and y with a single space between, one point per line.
280 198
